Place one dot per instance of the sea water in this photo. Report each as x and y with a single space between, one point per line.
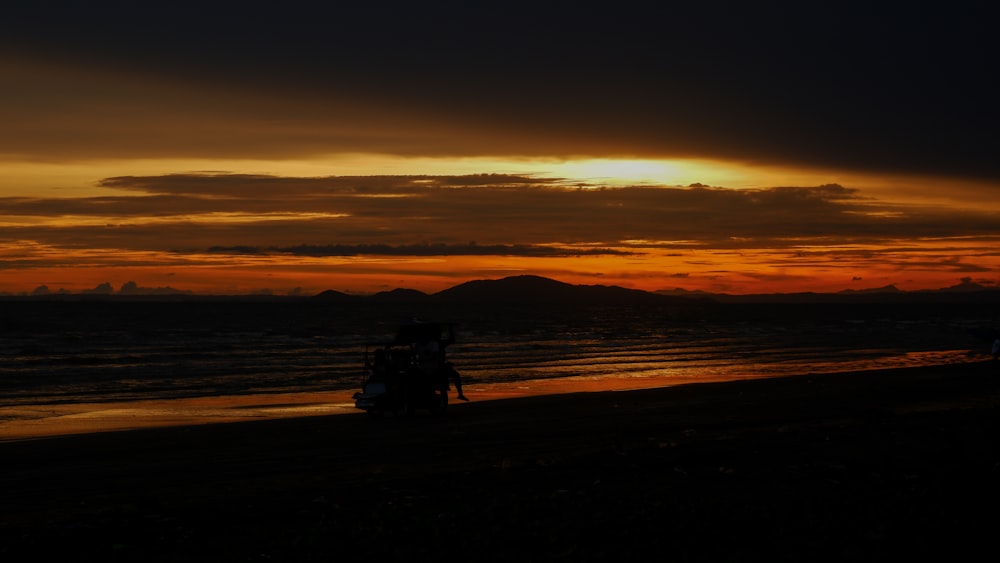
54 351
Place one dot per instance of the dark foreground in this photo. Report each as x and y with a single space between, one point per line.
848 467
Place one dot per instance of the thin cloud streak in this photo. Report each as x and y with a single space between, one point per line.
471 249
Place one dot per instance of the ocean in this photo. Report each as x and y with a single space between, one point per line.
116 349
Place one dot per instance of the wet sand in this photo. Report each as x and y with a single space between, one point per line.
841 467
21 422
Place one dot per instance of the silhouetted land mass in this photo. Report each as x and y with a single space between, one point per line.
964 292
530 296
400 296
518 300
532 289
335 297
536 289
516 290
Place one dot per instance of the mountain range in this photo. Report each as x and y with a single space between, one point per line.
526 289
537 290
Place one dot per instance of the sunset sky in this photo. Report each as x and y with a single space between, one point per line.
288 148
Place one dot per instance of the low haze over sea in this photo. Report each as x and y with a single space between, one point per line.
62 350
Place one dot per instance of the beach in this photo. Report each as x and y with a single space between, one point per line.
859 466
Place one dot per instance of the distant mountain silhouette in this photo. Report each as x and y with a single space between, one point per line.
962 293
335 296
400 295
505 289
847 294
536 289
530 290
891 288
966 285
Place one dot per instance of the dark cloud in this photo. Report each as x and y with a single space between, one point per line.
521 216
883 86
471 249
248 186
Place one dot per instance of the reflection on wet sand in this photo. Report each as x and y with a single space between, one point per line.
20 422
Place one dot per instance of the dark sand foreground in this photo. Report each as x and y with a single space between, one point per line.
846 467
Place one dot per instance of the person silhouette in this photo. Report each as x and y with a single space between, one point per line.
456 379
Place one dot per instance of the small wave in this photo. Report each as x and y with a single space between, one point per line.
73 361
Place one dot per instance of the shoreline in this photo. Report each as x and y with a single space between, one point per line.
65 419
860 466
25 422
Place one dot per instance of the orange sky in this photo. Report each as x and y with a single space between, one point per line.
239 161
231 233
